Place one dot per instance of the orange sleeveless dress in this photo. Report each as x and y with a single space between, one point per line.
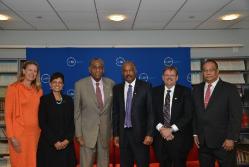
21 118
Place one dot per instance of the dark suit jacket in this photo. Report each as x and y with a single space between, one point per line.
142 116
181 115
222 117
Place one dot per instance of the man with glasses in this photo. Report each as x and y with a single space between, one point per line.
173 113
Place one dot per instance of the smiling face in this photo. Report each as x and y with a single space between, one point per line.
30 72
96 69
129 72
210 72
56 84
170 77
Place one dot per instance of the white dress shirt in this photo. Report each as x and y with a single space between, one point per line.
172 89
101 86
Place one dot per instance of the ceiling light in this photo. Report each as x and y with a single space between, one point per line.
3 17
117 17
230 17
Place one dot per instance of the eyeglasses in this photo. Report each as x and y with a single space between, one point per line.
209 70
169 76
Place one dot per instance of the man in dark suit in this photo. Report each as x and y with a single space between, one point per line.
217 118
173 117
133 118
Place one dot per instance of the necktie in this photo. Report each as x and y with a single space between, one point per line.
166 109
99 97
128 108
207 95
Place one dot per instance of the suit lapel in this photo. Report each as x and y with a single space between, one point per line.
174 99
202 95
122 96
214 93
136 89
106 90
92 91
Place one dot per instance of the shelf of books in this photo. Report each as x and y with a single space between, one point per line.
9 69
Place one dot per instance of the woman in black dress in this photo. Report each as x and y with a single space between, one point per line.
56 120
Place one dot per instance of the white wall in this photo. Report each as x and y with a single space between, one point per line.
205 40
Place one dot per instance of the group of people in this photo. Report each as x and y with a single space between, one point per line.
41 128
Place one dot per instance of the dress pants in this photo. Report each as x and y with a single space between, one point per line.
133 151
88 155
173 153
207 156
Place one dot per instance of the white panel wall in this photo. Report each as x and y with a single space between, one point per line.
168 38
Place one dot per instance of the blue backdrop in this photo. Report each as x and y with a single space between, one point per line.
73 63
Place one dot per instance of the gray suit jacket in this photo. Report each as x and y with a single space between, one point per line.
89 120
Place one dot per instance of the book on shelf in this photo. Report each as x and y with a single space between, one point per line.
236 78
9 66
196 78
242 157
5 161
195 65
6 79
2 134
2 91
2 103
4 148
244 139
236 65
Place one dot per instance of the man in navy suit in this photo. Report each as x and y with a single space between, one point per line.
173 114
217 118
133 118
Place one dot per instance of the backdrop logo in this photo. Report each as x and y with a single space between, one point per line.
168 61
71 61
45 78
144 77
70 92
189 77
120 61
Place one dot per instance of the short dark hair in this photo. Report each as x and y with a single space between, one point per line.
171 68
96 59
131 63
57 75
211 61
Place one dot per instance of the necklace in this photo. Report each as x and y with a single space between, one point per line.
60 101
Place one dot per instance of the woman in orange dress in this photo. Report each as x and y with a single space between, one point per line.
21 116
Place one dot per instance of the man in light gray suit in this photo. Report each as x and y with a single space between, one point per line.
92 115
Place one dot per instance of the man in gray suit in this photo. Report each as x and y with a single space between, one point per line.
92 115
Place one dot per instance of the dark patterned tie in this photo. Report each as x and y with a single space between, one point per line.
128 108
99 97
166 109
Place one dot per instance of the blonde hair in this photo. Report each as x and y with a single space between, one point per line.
37 82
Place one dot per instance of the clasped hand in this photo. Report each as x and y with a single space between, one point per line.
61 145
166 133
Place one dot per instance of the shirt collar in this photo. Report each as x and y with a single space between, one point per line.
132 84
171 89
94 82
213 83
